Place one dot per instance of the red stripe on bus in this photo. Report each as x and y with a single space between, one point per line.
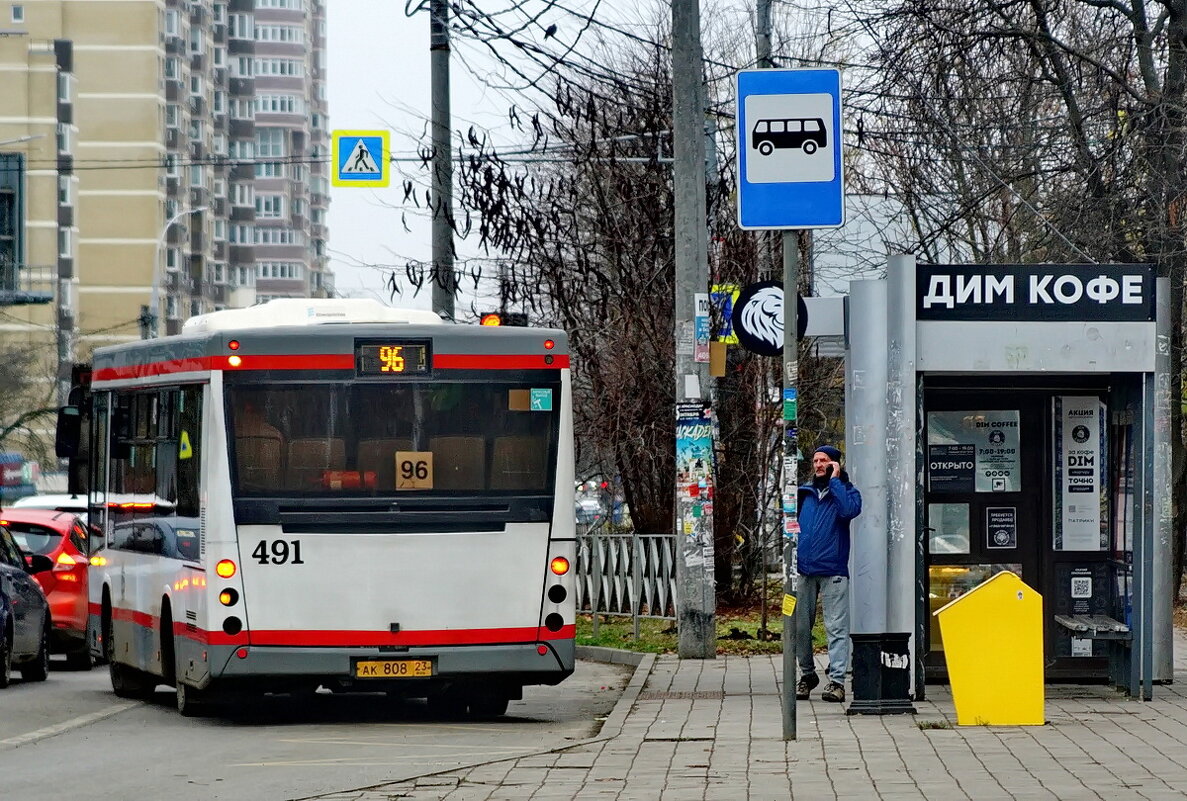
199 364
465 361
322 361
360 639
347 639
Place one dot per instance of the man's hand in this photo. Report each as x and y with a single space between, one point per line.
835 468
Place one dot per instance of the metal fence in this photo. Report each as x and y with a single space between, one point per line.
626 574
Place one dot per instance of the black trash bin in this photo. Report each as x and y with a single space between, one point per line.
881 674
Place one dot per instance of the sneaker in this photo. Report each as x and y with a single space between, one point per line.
806 685
833 692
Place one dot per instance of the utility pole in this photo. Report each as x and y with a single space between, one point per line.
791 369
694 459
445 282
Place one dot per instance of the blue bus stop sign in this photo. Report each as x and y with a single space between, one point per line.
789 149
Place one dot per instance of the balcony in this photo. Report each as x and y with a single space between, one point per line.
242 87
242 129
172 138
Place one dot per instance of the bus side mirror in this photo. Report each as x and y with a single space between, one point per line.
69 432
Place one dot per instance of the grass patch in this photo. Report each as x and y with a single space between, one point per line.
933 724
738 632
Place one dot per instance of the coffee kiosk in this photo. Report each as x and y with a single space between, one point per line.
1015 417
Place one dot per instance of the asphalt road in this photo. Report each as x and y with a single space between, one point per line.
70 737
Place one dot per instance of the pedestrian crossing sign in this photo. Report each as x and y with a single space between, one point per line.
361 158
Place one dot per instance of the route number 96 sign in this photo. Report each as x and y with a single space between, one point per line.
414 470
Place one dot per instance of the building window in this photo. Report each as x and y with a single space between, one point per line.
196 129
220 12
65 95
220 102
270 142
171 69
171 26
171 165
270 207
171 307
64 243
279 104
241 234
65 191
269 169
172 259
240 26
241 149
220 229
196 44
197 177
220 144
243 195
220 56
288 34
219 187
195 84
63 138
172 114
18 14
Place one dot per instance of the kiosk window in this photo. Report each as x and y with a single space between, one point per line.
950 528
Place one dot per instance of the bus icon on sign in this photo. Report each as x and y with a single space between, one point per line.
805 133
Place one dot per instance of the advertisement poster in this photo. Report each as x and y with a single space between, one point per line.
992 437
694 476
1001 527
1079 474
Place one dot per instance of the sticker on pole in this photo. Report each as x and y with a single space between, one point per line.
757 318
361 158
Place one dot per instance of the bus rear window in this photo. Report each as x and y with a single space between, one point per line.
344 439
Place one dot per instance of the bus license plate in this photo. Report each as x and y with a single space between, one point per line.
393 668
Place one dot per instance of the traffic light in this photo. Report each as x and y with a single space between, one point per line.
503 318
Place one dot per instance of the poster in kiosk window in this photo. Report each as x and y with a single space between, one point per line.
1080 442
990 438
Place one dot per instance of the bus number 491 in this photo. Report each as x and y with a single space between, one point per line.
278 552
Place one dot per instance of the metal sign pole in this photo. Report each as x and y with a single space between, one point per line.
791 525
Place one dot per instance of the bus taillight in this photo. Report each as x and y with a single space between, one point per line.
225 568
560 565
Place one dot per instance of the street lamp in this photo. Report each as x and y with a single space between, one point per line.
20 139
151 314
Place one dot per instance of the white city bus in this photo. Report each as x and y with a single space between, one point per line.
330 493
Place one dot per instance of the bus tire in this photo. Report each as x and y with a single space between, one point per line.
491 704
766 148
449 704
809 147
189 700
168 647
126 682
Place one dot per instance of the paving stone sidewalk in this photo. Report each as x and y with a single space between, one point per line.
711 731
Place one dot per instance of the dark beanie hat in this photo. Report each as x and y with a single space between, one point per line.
830 452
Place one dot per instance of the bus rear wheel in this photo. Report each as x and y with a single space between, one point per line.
809 147
766 148
190 702
126 682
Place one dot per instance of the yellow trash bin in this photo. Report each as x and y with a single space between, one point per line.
993 641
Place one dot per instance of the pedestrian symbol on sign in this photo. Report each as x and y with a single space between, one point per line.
360 160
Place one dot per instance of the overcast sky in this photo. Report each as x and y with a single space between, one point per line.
379 79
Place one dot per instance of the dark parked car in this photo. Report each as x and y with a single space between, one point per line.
25 625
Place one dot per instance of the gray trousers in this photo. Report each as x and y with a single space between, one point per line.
835 592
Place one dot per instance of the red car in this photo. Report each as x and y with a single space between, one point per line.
63 537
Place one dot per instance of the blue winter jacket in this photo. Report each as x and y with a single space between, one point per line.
824 516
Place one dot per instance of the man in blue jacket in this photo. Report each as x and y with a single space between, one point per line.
825 508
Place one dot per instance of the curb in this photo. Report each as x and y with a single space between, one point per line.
611 728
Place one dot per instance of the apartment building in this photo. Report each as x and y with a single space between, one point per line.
179 164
